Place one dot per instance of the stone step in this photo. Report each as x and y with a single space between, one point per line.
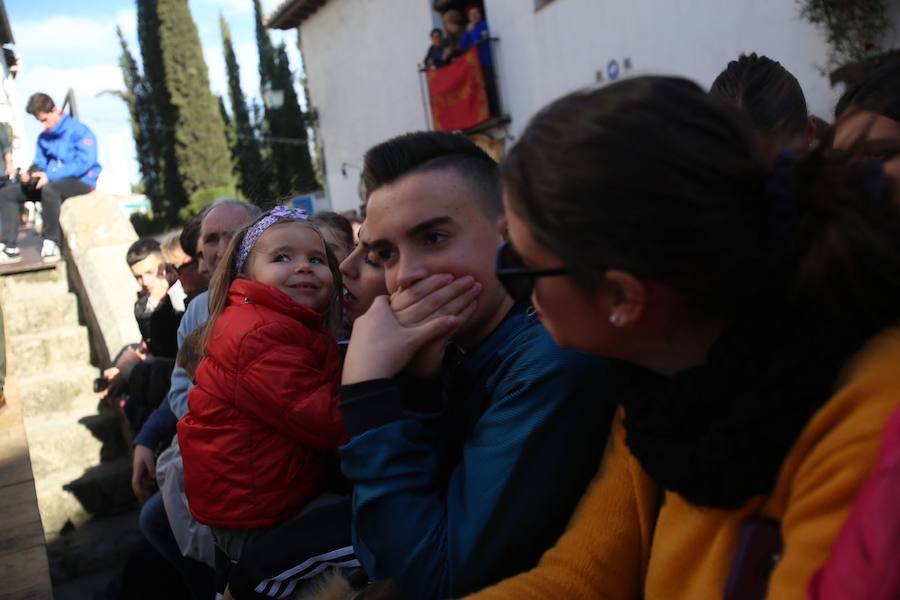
15 289
56 390
57 274
38 314
99 491
65 444
60 346
94 547
105 489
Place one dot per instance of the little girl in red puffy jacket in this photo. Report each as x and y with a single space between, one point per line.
263 419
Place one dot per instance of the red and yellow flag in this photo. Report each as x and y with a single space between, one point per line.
458 96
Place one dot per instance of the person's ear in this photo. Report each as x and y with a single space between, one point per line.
626 297
503 228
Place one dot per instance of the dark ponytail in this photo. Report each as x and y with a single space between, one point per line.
844 254
651 176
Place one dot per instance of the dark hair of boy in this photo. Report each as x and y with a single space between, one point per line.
440 32
39 103
141 249
337 223
878 93
428 151
766 92
190 235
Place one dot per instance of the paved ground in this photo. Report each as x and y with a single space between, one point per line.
23 556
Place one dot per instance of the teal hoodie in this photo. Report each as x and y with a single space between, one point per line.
464 481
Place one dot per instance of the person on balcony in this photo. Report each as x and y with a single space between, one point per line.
478 34
454 28
434 57
65 165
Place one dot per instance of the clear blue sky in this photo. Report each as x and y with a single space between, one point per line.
66 44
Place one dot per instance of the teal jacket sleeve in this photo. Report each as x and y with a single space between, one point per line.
444 519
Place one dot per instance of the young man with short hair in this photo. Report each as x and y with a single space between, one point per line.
65 165
467 460
144 258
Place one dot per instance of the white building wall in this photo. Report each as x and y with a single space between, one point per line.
11 111
361 58
559 48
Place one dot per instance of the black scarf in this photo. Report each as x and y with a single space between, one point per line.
718 434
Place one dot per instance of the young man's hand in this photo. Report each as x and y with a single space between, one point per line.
143 472
430 298
41 179
159 287
380 346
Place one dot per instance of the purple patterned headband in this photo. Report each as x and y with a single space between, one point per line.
279 214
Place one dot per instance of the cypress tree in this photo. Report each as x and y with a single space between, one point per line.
297 164
254 183
285 125
160 110
229 130
143 127
200 147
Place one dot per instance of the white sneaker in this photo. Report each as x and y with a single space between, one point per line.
9 256
50 252
2 246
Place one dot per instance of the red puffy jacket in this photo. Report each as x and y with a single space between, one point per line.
264 413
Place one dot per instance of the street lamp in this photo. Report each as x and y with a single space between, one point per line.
272 99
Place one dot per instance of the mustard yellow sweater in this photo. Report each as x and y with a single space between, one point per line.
617 548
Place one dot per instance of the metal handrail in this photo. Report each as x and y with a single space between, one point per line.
69 101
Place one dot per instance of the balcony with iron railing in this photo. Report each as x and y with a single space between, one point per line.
464 94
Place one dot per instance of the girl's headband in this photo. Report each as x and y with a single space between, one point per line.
277 215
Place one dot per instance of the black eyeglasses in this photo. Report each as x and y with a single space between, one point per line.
517 279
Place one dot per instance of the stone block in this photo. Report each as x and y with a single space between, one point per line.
92 221
59 390
97 236
51 347
108 301
35 314
49 282
62 450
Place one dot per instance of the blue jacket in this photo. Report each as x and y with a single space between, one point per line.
476 35
160 426
463 483
68 151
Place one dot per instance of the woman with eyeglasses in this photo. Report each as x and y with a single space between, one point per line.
752 315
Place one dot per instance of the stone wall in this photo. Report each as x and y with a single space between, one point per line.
96 237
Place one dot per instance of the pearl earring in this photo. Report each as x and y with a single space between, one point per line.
614 318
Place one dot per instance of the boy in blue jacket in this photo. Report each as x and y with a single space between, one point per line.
65 165
467 459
